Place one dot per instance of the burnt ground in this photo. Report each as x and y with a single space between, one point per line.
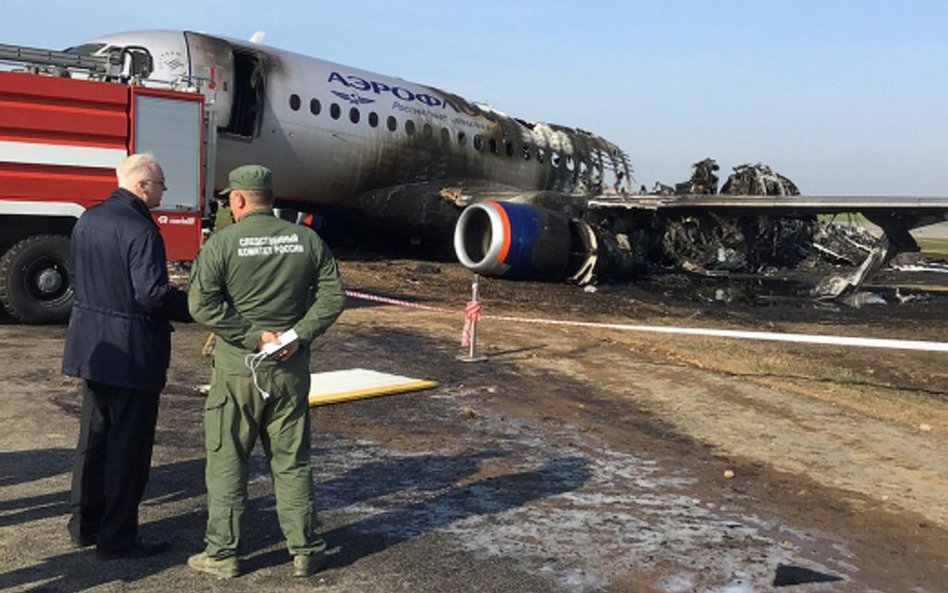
575 458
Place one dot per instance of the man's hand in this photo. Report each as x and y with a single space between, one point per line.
274 338
268 337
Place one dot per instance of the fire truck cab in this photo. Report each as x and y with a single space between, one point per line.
66 122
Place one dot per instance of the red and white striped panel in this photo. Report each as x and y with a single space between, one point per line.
60 139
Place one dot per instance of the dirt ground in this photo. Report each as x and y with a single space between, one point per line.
575 458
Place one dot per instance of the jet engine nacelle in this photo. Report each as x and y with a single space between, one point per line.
522 241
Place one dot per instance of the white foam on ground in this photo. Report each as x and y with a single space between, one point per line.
611 525
562 502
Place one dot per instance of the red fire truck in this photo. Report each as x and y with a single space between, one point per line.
66 121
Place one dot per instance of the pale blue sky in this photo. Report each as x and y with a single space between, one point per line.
843 97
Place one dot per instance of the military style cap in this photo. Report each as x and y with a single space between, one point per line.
249 177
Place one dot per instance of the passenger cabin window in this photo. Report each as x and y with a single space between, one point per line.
354 115
478 143
426 130
295 102
373 119
246 110
492 143
509 147
596 176
315 107
335 111
392 123
462 138
409 127
445 136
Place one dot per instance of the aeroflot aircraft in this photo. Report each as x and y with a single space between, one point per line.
522 199
392 152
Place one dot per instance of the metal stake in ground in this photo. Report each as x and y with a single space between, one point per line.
469 334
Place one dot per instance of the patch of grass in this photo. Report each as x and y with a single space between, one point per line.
843 218
933 246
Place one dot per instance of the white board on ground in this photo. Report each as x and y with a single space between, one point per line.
336 386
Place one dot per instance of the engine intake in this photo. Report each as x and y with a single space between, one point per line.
521 241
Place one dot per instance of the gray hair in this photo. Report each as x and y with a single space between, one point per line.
134 167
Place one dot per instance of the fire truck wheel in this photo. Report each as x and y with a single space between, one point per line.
34 280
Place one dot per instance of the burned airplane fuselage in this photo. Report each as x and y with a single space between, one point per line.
332 133
387 152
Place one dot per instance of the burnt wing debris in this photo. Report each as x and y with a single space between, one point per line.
710 241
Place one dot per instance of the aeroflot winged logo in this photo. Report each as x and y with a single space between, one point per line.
353 98
431 106
380 88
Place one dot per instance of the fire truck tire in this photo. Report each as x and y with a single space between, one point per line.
34 280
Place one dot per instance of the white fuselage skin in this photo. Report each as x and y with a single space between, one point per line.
330 132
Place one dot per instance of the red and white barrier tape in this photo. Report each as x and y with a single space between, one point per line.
390 301
472 314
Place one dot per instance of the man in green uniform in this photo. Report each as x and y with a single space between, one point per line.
252 282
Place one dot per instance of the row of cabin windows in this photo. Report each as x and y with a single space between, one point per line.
355 116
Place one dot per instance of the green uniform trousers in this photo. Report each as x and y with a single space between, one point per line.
235 415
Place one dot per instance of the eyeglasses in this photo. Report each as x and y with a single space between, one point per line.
160 182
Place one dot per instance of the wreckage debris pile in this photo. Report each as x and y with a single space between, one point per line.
753 244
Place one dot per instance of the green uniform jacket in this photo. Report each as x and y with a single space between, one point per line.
263 274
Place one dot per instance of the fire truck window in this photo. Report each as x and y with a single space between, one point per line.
409 127
335 111
295 102
354 115
392 123
315 107
374 119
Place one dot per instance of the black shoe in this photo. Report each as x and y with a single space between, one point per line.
306 566
138 549
83 541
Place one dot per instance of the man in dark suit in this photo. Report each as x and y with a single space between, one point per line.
119 342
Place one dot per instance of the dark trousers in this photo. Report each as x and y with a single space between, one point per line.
113 459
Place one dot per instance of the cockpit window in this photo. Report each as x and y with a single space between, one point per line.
86 49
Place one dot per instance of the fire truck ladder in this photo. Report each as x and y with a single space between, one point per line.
120 63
